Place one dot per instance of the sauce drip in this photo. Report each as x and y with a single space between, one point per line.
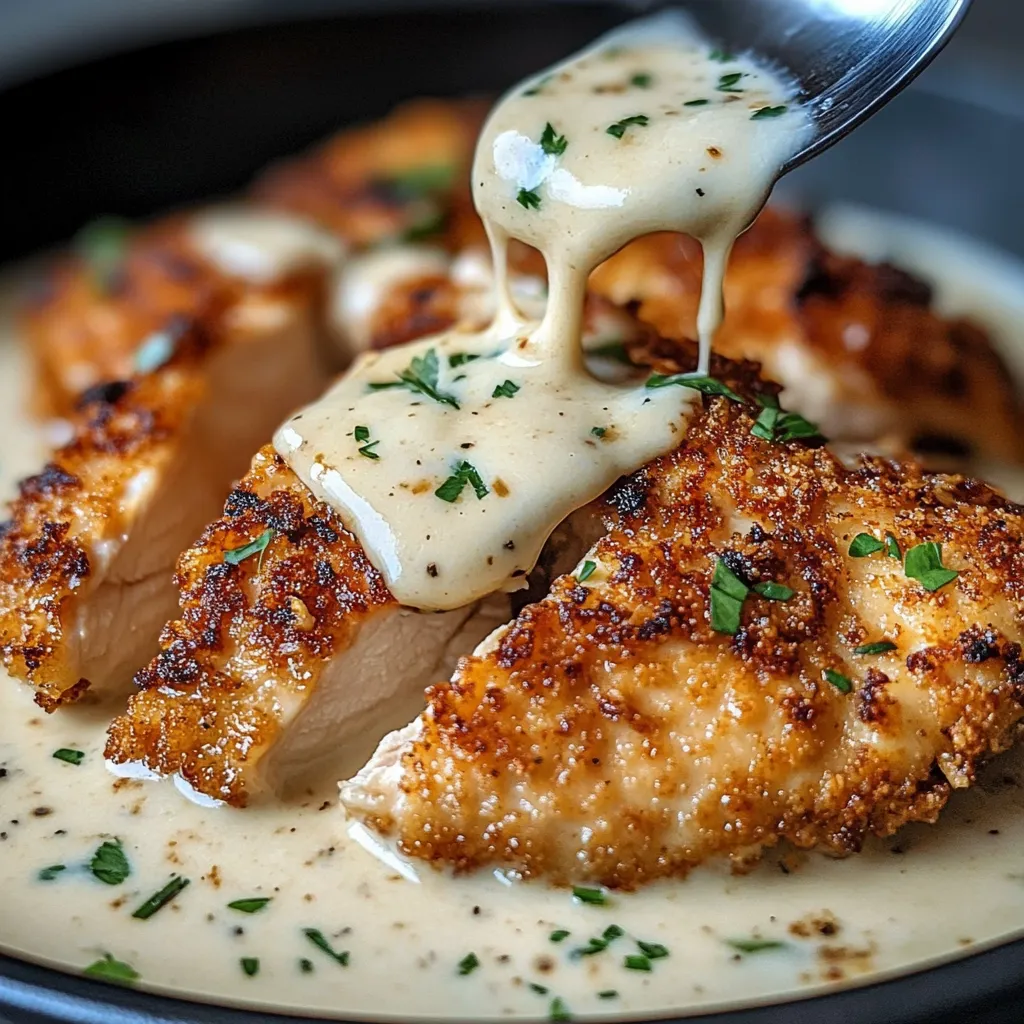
453 458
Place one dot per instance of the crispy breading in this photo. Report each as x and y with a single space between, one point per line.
609 734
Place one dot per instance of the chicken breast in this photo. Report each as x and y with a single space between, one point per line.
87 556
739 660
288 650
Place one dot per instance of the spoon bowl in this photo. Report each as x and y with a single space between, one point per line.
849 56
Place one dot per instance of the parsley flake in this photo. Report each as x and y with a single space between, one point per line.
642 80
319 940
160 899
528 199
892 547
720 55
608 993
879 647
461 358
774 591
109 864
727 82
551 142
507 389
468 964
587 894
923 563
864 544
728 592
306 966
764 112
619 128
775 424
109 969
637 962
599 431
586 571
48 874
362 436
696 103
462 473
559 935
755 945
652 950
541 990
258 546
69 755
250 904
559 1011
420 377
705 385
842 683
250 966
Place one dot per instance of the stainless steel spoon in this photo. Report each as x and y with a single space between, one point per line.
849 56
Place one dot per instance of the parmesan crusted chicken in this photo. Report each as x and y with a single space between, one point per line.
766 646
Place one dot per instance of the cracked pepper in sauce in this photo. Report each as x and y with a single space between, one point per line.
454 457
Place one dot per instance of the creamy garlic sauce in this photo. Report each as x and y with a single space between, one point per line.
930 894
453 458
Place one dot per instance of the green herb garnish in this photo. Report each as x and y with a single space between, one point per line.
705 385
879 647
160 899
417 182
642 80
559 935
728 592
507 389
586 894
317 938
762 112
306 966
69 755
541 990
552 143
722 56
842 683
103 244
109 969
637 962
586 571
109 864
250 965
528 199
864 544
727 82
599 431
469 963
774 591
462 473
421 377
558 1010
696 103
257 546
619 128
362 436
608 993
50 873
250 904
755 945
775 424
892 547
923 563
652 950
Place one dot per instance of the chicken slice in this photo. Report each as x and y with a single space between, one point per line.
87 556
617 732
286 657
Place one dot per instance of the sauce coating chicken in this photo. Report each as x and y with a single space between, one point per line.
616 732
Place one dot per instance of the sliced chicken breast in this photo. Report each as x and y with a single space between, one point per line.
765 646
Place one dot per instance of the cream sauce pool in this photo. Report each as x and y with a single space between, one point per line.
931 893
453 458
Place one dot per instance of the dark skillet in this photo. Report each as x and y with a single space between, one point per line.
151 127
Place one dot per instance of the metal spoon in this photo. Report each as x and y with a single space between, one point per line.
849 56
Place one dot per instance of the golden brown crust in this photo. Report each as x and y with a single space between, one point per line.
611 735
253 637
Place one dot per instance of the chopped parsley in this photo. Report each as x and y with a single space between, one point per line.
728 592
69 755
652 950
727 82
559 935
696 103
250 965
892 547
541 990
160 899
507 389
462 473
528 199
619 128
250 904
420 377
844 684
461 358
774 591
109 864
362 436
48 874
258 546
923 563
469 963
588 894
586 571
763 112
109 969
642 80
755 945
775 424
306 966
864 544
103 244
599 945
879 647
722 56
558 1010
698 382
637 962
319 940
599 431
551 142
425 180
608 993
